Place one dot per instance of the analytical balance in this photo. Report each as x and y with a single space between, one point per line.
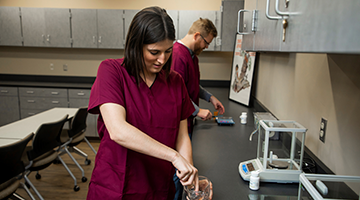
277 160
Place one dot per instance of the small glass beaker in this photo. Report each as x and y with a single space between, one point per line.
202 194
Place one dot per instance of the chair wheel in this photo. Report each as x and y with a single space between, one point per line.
76 188
84 179
56 161
27 185
87 162
38 176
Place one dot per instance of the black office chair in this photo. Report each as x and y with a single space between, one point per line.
12 167
74 136
44 150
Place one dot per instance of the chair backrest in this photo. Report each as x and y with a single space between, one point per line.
78 123
10 159
46 138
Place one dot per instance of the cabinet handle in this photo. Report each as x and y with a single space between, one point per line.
55 102
80 94
253 22
4 91
30 92
31 101
54 93
267 12
48 38
99 39
277 10
31 113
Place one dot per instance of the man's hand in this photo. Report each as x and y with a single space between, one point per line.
204 114
217 105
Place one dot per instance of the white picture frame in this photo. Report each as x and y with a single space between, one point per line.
242 72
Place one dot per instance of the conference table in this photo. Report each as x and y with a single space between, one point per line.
17 130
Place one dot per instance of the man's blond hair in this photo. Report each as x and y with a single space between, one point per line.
204 26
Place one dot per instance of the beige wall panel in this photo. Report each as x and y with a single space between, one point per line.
118 4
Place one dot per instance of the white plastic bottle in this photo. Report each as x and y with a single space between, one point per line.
254 180
243 118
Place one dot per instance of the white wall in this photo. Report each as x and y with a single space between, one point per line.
307 87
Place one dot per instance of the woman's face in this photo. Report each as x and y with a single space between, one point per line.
156 55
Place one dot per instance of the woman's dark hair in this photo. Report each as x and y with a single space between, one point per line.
150 25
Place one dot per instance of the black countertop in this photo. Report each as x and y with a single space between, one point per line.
218 150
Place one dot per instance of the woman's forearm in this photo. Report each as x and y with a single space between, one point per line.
130 137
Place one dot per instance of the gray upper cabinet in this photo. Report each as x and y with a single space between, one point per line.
188 17
128 16
46 27
10 26
84 28
100 28
229 19
174 14
110 29
324 26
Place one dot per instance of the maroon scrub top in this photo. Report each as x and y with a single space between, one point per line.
188 68
121 173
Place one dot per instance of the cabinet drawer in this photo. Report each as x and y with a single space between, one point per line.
42 103
42 92
8 91
79 94
29 112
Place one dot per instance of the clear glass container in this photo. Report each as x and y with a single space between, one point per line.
202 194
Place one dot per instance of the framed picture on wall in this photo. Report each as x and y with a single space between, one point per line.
241 73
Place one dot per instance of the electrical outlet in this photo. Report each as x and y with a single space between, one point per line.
65 67
322 132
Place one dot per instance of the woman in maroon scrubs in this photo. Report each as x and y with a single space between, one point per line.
143 108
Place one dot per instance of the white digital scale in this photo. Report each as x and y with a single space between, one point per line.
278 160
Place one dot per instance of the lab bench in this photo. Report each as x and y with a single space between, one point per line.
218 150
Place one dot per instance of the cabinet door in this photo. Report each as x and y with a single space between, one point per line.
110 28
10 26
269 32
174 14
84 28
46 27
229 23
188 17
33 24
80 98
128 16
57 23
9 105
323 26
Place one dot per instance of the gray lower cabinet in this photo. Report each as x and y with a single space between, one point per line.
46 27
36 100
10 26
80 98
9 105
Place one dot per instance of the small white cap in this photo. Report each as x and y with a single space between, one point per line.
255 173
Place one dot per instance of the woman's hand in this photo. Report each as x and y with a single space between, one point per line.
186 172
